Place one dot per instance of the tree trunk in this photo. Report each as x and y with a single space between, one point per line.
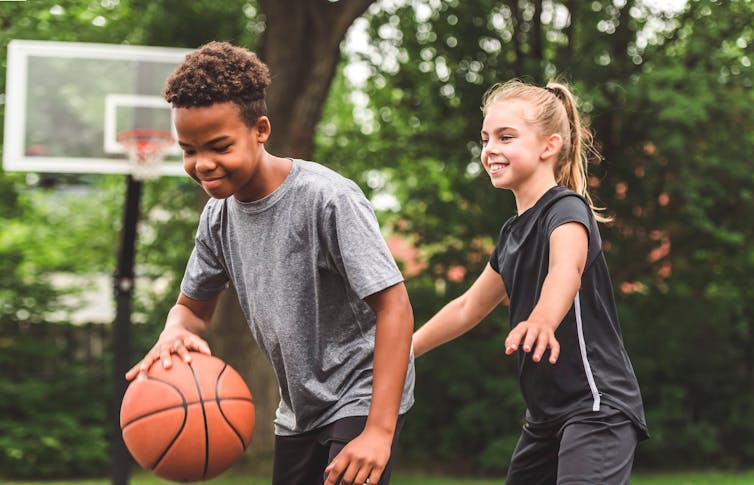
301 46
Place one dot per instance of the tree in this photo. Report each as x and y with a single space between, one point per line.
301 45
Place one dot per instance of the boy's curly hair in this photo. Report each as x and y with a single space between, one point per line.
219 72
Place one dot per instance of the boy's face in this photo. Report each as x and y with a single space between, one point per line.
220 151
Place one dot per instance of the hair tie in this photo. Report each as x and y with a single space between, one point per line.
555 92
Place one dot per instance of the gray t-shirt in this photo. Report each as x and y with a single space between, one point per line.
302 260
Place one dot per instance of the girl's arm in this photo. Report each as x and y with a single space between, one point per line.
568 250
463 313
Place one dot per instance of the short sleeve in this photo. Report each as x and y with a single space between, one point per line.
495 256
356 243
575 209
498 250
568 209
205 276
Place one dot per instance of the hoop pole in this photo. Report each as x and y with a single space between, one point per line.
123 285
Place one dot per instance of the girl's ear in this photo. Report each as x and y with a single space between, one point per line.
552 146
263 129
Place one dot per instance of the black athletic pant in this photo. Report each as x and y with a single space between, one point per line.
591 448
301 459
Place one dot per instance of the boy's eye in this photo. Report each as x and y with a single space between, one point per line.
222 149
484 142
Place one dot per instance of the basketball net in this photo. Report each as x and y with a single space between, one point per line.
146 149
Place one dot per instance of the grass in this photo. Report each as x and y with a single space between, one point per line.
242 478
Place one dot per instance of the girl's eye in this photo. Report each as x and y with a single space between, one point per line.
222 149
484 142
188 153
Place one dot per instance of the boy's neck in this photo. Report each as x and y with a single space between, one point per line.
270 175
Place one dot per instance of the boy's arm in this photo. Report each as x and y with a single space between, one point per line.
569 244
463 313
186 321
367 455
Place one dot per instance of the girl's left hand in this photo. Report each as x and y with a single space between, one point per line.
536 335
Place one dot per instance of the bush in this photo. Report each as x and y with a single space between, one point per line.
53 411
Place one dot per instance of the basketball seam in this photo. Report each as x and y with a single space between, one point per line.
204 415
180 429
220 408
152 413
185 404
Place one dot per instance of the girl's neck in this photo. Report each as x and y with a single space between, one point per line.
526 197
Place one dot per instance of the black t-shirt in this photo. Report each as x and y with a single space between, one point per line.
593 367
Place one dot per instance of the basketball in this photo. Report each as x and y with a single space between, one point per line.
190 422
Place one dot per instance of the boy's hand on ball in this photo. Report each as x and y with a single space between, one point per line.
534 336
177 340
173 340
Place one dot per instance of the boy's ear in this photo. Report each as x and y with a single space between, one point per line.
263 129
552 146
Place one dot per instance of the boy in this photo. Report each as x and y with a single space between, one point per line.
317 284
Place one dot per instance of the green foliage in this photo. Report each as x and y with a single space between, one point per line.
173 23
170 211
138 22
52 419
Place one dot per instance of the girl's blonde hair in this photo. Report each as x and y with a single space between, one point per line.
556 111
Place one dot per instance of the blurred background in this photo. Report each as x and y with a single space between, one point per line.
388 92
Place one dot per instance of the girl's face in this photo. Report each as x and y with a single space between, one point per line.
512 148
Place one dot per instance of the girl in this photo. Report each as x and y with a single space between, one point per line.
584 409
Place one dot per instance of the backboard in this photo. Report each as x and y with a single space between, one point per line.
67 102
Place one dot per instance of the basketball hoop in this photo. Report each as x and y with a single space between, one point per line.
146 150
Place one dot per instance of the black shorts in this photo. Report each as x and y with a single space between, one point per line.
301 459
594 447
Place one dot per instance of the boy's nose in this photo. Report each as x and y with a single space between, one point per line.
205 164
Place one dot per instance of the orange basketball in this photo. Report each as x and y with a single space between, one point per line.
190 422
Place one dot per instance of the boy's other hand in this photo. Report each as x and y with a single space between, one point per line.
361 461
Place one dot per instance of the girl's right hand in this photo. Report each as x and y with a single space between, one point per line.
173 340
